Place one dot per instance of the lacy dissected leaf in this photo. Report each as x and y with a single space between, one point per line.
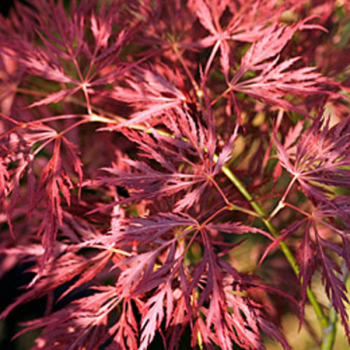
230 317
307 260
23 141
73 156
251 18
125 332
146 230
276 80
335 286
145 271
209 16
54 180
85 321
150 93
18 158
148 183
153 313
178 324
237 228
59 271
55 97
257 15
315 252
321 159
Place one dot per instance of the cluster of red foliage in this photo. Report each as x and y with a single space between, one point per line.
143 142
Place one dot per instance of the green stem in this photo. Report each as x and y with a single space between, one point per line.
329 333
327 324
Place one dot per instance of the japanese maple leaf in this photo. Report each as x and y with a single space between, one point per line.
60 270
229 317
125 332
54 180
150 93
320 159
210 14
276 80
86 319
315 251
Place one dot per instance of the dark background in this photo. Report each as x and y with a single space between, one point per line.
5 6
